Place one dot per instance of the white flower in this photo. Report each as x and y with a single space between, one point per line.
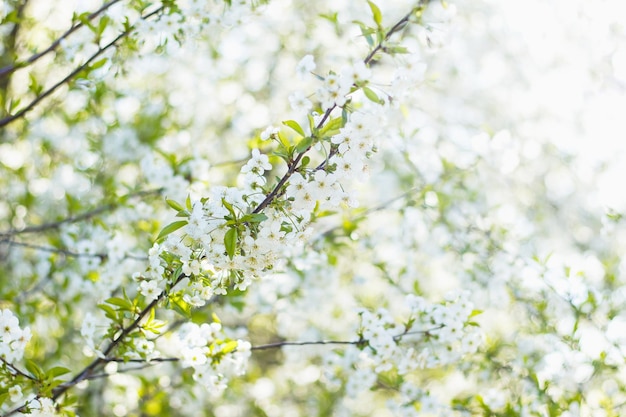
305 66
299 102
269 133
15 393
258 164
358 73
150 290
9 326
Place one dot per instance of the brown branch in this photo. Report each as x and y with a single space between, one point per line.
71 75
319 342
9 69
401 24
74 219
90 369
293 166
69 253
17 371
88 372
11 43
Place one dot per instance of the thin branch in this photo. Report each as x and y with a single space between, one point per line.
89 370
103 256
367 212
122 360
9 69
77 218
15 370
318 342
11 41
276 191
71 75
401 24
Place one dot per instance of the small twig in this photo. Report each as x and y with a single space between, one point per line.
367 212
17 371
9 69
318 342
294 164
88 371
68 252
71 75
77 218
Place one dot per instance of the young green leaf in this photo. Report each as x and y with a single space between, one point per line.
34 369
254 218
230 241
376 14
370 94
229 346
120 302
172 227
295 126
110 312
57 371
173 204
304 144
333 124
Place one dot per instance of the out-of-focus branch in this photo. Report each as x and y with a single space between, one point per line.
5 121
67 252
74 219
9 69
11 44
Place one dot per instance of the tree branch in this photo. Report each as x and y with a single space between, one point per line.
77 218
103 256
276 191
9 69
71 75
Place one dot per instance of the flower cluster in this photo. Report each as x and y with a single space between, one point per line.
13 339
434 334
227 241
41 407
213 357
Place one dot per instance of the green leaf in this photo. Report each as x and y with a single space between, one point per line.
57 371
109 311
229 207
230 241
295 126
396 49
99 63
34 86
215 318
475 313
188 203
304 144
180 306
333 124
370 94
102 24
120 302
229 346
376 14
173 204
254 218
34 369
3 397
172 227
